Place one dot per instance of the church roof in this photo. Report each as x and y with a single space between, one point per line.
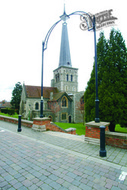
5 104
35 91
65 57
58 95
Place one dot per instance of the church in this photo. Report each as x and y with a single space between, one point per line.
61 102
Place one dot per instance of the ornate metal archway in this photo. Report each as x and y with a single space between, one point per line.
90 24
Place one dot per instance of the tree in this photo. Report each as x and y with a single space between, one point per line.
54 107
16 96
112 81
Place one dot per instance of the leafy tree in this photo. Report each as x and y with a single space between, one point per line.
112 81
16 96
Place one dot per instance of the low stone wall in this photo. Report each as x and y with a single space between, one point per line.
116 139
54 127
15 121
49 125
111 138
93 131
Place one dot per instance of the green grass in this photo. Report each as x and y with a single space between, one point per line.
14 116
80 128
120 129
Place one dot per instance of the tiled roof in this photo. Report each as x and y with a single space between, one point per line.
35 91
58 95
5 104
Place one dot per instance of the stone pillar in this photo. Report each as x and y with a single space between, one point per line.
39 124
93 131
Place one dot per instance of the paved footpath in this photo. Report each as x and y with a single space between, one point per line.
51 160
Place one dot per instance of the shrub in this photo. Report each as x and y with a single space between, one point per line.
8 111
11 111
4 110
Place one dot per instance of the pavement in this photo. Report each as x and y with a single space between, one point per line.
53 160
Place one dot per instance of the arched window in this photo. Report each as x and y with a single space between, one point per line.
36 106
71 78
64 102
67 77
57 77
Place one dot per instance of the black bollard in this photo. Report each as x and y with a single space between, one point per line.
19 124
102 141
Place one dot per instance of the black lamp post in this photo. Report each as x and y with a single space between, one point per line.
41 104
97 120
89 20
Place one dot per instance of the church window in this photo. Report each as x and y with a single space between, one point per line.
57 77
67 77
71 78
36 106
64 116
64 102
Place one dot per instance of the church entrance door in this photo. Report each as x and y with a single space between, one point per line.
69 118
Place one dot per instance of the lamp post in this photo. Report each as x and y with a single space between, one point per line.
97 120
89 20
41 104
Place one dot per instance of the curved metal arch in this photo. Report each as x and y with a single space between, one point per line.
48 34
44 47
80 13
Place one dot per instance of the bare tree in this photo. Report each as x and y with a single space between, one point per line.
54 107
80 106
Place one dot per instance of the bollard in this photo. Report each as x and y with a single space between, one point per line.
102 141
19 124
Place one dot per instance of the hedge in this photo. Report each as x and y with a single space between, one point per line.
8 111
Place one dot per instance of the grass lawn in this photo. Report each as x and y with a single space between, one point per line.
80 128
118 128
14 116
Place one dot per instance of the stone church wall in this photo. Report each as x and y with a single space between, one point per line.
78 116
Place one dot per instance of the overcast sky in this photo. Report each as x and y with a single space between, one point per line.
23 26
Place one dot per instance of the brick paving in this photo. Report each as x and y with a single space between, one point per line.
51 160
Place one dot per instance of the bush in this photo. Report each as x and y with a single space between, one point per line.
4 110
11 111
8 111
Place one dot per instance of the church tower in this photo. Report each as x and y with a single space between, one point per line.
65 76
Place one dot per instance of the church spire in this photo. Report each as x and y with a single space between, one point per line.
65 57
